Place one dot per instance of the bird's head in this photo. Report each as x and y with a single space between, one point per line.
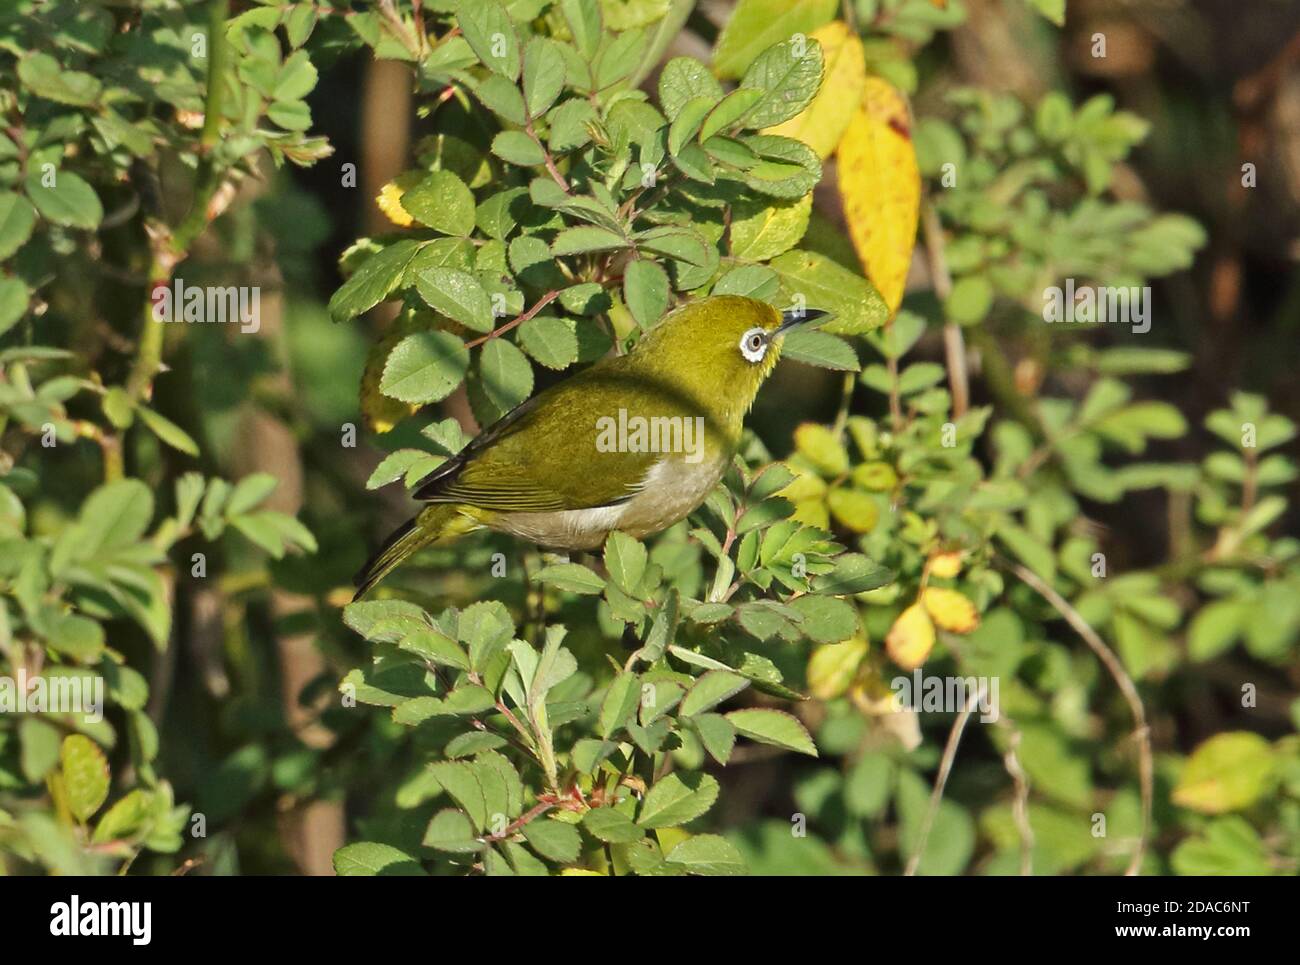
721 347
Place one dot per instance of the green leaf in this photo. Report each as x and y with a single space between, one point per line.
826 619
711 689
758 24
611 826
38 748
13 302
449 830
502 97
969 301
376 278
619 704
168 431
41 74
825 285
761 231
677 799
853 573
458 295
730 112
682 244
570 125
645 291
625 561
717 734
1216 627
369 858
1227 846
773 727
1027 548
504 376
687 123
17 219
584 20
571 577
788 75
77 637
70 201
553 840
821 349
1228 772
491 34
425 367
707 854
85 775
682 80
544 73
580 240
516 147
297 78
752 281
442 202
550 341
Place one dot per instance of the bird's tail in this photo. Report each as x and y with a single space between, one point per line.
433 523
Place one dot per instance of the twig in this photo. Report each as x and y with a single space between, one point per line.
546 154
1141 732
541 303
941 780
1020 804
846 401
170 247
954 344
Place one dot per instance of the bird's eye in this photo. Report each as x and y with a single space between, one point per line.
753 344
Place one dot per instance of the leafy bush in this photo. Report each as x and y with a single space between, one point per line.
725 696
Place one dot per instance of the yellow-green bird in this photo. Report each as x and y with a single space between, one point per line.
633 443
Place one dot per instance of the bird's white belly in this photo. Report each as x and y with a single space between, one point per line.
671 489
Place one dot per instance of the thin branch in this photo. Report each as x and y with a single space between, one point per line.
954 343
1020 804
541 303
1141 731
170 247
941 780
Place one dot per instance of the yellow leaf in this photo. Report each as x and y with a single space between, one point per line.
911 638
579 873
945 565
950 610
805 485
853 509
881 187
1228 772
389 199
812 512
822 123
832 667
821 447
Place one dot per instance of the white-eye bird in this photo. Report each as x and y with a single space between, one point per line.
587 455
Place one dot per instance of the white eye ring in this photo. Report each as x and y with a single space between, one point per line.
753 344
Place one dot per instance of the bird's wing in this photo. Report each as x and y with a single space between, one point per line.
543 456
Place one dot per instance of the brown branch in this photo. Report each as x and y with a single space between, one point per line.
941 780
954 344
1141 731
1020 804
541 303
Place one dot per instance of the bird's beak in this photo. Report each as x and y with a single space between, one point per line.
792 317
